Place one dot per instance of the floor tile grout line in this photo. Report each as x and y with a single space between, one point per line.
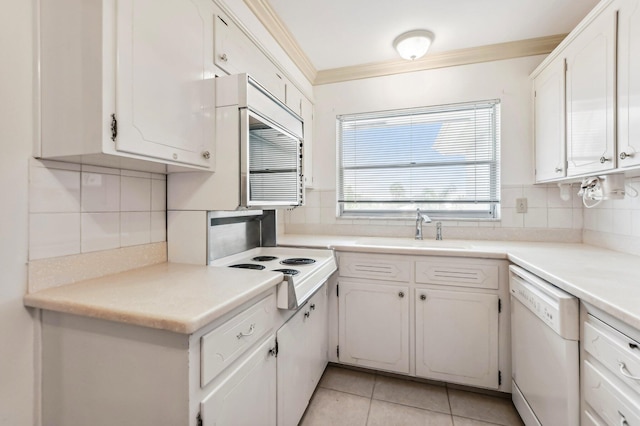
453 423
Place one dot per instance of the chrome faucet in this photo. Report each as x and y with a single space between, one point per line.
438 231
420 217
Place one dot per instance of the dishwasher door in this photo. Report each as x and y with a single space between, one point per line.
545 365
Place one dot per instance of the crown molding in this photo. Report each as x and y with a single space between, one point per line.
494 52
473 55
268 17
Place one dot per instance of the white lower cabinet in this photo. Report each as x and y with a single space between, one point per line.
440 318
302 358
457 337
374 325
610 370
247 396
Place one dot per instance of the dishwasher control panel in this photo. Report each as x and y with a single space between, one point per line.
556 308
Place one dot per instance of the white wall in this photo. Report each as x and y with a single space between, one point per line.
548 218
17 378
505 80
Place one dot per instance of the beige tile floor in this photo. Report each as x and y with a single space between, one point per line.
356 398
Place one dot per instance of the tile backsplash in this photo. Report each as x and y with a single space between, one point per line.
76 209
548 218
615 224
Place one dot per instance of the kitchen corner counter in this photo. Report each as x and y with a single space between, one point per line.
170 296
606 279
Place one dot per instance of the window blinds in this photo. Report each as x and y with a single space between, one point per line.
443 159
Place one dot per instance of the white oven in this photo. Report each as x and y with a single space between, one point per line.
544 340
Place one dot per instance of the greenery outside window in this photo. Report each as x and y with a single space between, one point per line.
442 159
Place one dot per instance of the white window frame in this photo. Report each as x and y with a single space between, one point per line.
405 209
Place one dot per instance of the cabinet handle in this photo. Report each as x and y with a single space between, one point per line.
312 307
625 372
223 57
114 127
624 155
623 420
604 159
633 346
273 352
558 169
401 294
206 155
252 329
423 297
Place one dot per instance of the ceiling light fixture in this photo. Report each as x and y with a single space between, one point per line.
414 44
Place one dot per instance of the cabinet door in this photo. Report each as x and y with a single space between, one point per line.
549 102
457 337
318 335
591 80
247 395
235 53
164 80
302 358
307 117
374 325
629 84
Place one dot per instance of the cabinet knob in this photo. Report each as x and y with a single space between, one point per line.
604 159
312 307
306 314
206 155
423 297
273 352
223 57
558 169
624 155
401 294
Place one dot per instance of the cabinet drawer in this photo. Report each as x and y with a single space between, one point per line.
222 346
617 352
608 400
465 273
375 267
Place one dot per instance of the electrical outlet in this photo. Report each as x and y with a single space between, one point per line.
521 205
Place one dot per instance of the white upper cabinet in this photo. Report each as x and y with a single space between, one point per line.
629 84
549 103
307 116
235 53
128 80
591 83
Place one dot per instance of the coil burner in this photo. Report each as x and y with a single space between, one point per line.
298 261
264 258
288 271
248 266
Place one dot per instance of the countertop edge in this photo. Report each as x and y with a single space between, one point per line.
161 321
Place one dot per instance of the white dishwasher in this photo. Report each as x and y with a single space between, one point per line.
544 350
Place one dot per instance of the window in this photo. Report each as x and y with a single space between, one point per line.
441 159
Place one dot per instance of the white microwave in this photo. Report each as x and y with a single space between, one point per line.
268 138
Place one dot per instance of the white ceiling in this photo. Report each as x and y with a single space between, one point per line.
339 33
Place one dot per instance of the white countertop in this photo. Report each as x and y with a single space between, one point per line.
183 298
170 296
606 279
